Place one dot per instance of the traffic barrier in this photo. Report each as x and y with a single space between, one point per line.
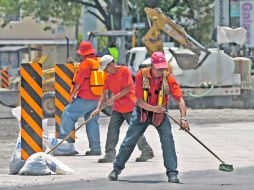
63 82
31 103
5 78
31 109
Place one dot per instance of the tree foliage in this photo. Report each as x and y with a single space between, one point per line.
196 17
53 11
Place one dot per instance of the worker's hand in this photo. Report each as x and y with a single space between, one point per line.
95 112
184 125
110 102
157 109
72 96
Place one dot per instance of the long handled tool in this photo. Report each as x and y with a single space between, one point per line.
71 133
223 166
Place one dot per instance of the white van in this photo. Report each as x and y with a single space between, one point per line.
138 57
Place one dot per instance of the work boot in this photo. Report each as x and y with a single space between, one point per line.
113 176
106 159
146 155
93 153
173 178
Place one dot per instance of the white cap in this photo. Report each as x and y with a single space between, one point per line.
105 60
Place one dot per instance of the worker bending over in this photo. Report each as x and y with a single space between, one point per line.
153 86
119 81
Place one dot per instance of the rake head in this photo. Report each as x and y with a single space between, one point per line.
226 167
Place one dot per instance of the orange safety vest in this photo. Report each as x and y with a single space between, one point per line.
97 77
163 92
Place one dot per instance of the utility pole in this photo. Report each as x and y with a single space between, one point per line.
125 8
125 11
89 23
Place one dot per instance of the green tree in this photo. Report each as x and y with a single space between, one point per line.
60 12
196 17
55 11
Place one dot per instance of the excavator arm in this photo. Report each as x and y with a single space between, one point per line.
159 22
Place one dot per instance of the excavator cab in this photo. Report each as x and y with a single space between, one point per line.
159 22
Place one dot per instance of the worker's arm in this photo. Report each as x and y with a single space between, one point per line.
74 91
101 101
182 108
148 107
121 94
82 71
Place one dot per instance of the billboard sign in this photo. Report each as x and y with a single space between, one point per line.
247 20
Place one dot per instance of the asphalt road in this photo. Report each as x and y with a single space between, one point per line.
240 179
228 132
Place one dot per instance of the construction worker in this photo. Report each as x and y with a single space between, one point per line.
88 86
113 51
152 88
119 81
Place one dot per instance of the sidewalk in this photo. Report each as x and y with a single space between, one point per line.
232 142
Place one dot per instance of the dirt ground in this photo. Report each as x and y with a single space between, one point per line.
9 125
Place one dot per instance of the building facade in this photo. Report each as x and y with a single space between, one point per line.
237 13
43 38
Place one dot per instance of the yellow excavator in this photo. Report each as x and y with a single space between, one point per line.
159 22
208 77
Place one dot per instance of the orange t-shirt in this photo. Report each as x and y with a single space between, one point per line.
155 83
83 79
116 82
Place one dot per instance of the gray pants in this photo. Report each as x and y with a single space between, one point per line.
115 123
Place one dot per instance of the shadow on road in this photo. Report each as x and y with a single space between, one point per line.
143 181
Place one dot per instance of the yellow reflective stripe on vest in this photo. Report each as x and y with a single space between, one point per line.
160 98
102 75
96 78
145 94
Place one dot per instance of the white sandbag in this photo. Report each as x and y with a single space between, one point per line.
16 112
15 162
65 149
45 127
35 165
57 166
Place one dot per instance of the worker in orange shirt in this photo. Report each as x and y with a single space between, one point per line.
152 88
88 86
119 81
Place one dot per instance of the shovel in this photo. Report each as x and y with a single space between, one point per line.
71 133
223 166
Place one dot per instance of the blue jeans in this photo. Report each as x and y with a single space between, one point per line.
81 107
115 123
135 130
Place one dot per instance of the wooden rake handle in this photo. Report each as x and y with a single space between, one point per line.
84 123
195 138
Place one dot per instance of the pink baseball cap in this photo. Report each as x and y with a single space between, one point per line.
159 61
